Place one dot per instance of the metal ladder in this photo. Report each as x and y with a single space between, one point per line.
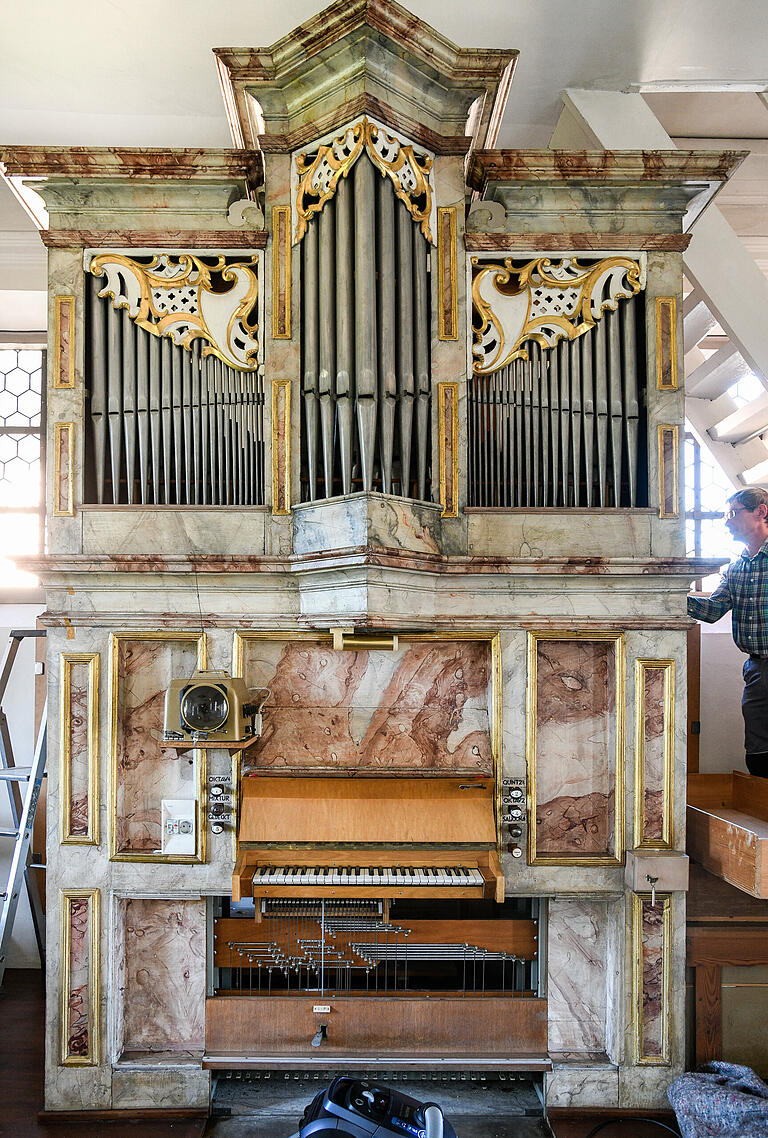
23 809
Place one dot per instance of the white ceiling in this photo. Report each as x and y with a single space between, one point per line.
114 72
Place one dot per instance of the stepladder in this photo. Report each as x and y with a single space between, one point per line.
24 784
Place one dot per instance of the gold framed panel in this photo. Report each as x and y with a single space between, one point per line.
67 660
63 473
669 489
617 638
241 638
72 1053
198 755
666 839
281 272
63 342
666 343
448 447
447 275
281 446
643 1055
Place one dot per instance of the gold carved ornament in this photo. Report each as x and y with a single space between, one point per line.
407 169
543 300
186 297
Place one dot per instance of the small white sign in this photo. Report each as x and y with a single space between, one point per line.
178 826
322 1009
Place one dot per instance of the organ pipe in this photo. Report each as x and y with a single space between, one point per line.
562 427
167 425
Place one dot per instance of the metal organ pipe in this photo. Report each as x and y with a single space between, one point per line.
561 427
372 260
168 425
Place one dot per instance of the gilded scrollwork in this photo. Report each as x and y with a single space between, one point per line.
543 300
408 169
185 297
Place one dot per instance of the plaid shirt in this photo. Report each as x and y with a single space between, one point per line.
743 589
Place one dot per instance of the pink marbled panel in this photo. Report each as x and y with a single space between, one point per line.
164 977
147 772
78 1026
653 754
577 974
422 708
575 748
653 1010
78 749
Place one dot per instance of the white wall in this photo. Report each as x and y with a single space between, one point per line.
19 707
721 746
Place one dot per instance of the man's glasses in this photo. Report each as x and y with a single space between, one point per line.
733 512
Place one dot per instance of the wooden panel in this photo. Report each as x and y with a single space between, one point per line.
330 810
726 946
732 845
518 937
709 1015
709 790
713 900
750 794
377 1026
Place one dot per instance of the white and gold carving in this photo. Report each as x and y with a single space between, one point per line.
188 297
543 300
409 169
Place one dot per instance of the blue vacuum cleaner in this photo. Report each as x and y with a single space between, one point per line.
355 1108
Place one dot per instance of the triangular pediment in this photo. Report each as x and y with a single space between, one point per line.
365 57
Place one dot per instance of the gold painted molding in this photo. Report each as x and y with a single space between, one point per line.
666 841
66 662
666 343
448 445
447 275
281 272
199 756
668 466
153 294
64 342
544 300
92 899
641 1057
408 169
617 638
281 446
63 473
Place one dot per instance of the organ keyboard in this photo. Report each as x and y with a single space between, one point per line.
431 838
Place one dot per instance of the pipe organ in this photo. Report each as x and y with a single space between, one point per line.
366 373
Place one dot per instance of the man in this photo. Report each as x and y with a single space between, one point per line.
744 590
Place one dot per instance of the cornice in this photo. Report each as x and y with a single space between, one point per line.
132 162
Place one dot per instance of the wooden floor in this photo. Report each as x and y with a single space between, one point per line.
21 1080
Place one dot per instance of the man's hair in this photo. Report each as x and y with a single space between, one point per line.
750 498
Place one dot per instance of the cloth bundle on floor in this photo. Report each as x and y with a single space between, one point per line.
722 1100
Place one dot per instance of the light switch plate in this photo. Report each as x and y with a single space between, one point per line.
178 826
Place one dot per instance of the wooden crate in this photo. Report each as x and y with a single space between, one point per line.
728 828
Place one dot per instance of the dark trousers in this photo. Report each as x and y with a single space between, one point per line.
754 708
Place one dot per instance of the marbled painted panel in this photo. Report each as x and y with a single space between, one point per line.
654 920
654 754
164 979
79 983
145 772
77 725
575 748
576 975
423 708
